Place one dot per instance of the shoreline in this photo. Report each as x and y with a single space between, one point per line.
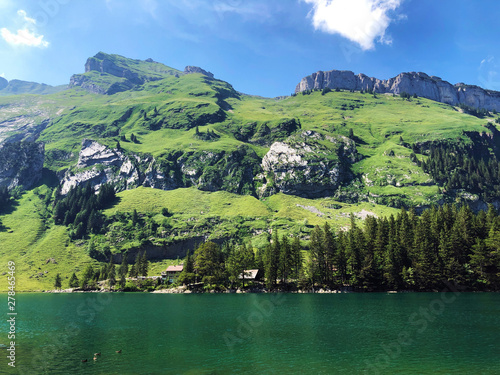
183 290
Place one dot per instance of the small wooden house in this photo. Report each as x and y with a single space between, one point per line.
171 273
251 275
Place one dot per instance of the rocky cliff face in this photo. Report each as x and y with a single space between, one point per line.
98 164
21 164
194 69
309 165
232 171
429 87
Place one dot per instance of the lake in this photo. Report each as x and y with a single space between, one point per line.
372 333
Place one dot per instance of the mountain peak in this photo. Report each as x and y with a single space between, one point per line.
3 83
109 74
195 69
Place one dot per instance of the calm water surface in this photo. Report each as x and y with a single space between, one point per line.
420 333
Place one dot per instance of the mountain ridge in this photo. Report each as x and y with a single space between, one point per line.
412 83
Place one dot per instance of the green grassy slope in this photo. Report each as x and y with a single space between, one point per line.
164 115
32 242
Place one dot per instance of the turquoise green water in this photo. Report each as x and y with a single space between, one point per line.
256 334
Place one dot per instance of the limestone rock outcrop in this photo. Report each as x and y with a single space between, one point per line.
309 165
21 164
194 69
421 84
98 164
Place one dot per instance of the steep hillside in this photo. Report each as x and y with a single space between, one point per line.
224 165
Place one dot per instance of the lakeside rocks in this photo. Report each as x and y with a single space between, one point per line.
421 84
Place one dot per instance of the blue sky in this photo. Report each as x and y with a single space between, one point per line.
261 47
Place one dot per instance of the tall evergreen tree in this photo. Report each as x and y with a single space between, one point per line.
330 249
87 276
57 282
316 268
296 256
73 281
286 260
124 265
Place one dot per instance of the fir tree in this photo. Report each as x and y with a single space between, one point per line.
73 281
57 282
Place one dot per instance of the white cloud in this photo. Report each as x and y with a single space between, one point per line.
2 75
489 59
23 37
26 36
489 76
361 21
23 14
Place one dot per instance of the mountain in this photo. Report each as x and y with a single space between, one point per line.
109 74
3 83
198 160
413 83
18 87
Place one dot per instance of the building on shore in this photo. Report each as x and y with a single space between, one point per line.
171 274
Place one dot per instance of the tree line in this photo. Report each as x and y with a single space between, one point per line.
402 252
114 276
456 166
80 209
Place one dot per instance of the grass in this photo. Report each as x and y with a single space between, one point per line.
163 115
29 243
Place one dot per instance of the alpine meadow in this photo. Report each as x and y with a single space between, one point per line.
338 185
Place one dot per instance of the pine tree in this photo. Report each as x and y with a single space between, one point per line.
87 276
426 261
208 263
187 274
122 281
111 275
73 281
135 217
316 256
103 274
330 248
133 271
271 260
57 282
124 265
341 258
286 260
144 265
296 256
354 251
